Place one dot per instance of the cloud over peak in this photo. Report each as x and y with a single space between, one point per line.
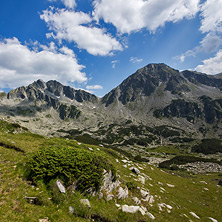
19 65
77 27
137 14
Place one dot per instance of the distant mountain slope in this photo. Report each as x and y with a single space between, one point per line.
156 97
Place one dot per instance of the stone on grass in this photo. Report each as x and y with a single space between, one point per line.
122 193
130 209
150 215
141 179
170 185
136 200
85 202
212 219
60 186
194 215
142 210
110 197
135 170
71 210
108 184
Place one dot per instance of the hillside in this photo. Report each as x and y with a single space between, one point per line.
153 194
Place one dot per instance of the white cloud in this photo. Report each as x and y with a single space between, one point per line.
19 65
114 63
135 60
72 26
210 43
67 51
211 25
69 3
94 87
134 15
211 16
212 65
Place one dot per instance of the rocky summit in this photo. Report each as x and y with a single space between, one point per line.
157 103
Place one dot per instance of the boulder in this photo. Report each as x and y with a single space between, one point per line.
142 179
71 210
212 219
110 197
60 186
136 200
108 184
130 209
135 170
122 193
85 202
194 215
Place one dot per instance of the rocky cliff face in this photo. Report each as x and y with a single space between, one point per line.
154 96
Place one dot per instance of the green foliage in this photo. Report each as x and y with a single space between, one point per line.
138 158
131 185
180 160
166 131
208 146
70 165
68 112
86 138
9 127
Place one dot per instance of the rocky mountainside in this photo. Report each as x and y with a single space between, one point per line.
154 104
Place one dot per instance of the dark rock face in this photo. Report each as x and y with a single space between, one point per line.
208 80
153 93
40 90
143 83
212 109
180 108
51 92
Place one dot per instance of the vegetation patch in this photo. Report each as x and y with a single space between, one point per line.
208 146
180 160
70 165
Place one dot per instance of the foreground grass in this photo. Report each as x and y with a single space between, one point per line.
191 193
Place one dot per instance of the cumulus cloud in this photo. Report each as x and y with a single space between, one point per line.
212 65
135 60
77 27
69 3
211 16
211 25
20 65
114 63
94 87
134 15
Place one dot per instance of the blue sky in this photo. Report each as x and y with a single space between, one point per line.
96 44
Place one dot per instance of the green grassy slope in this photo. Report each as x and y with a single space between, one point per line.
191 193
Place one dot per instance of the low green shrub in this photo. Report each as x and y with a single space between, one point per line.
70 165
180 160
131 185
208 146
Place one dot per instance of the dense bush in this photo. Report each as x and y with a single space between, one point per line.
180 160
208 146
68 164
